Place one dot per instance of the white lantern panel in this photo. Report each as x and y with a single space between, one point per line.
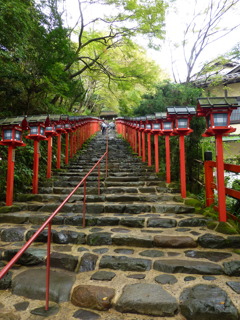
182 123
220 119
33 130
42 131
7 134
167 125
18 135
156 126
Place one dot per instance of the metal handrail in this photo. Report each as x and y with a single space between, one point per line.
49 224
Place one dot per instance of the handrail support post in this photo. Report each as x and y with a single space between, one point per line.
48 266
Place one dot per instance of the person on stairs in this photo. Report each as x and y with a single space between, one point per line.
103 127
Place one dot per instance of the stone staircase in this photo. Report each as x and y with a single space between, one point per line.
144 254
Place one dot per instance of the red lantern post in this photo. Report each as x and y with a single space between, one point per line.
49 133
37 133
135 133
60 130
181 117
217 112
148 130
166 130
156 131
142 135
12 137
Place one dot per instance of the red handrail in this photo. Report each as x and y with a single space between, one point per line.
48 223
210 185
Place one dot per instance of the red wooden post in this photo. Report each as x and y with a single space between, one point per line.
66 147
10 175
135 141
220 179
35 166
143 147
168 159
208 170
149 150
156 153
139 143
71 143
59 151
49 158
48 266
182 166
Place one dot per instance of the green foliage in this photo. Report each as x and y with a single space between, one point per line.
226 228
172 94
236 184
33 59
168 94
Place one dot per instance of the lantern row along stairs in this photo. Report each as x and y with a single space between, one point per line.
143 253
44 127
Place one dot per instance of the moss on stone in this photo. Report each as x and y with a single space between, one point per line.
192 202
234 224
199 210
174 185
28 197
8 209
237 251
210 212
225 228
162 184
178 199
212 225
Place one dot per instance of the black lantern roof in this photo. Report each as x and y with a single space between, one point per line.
181 110
64 117
217 102
38 118
160 115
55 117
12 121
150 117
72 118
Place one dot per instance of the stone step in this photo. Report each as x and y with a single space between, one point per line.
71 183
110 178
132 183
83 257
130 198
67 190
110 207
156 222
110 190
131 179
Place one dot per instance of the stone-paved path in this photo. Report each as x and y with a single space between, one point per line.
143 255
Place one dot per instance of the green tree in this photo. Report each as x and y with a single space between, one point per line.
32 60
168 94
122 21
120 77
